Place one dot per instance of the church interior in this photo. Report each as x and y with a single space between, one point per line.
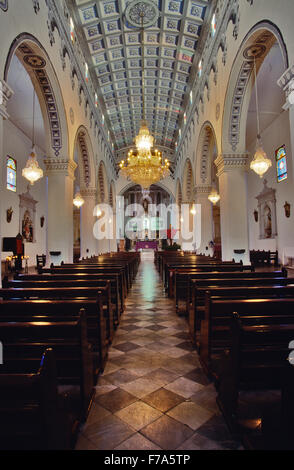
146 225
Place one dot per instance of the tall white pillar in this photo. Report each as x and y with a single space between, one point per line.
60 178
201 193
5 94
89 244
232 174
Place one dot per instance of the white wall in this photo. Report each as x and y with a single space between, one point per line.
17 145
278 133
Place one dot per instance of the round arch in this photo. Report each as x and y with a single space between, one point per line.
38 65
257 43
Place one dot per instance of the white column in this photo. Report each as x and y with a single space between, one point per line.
89 244
60 178
232 174
5 94
201 193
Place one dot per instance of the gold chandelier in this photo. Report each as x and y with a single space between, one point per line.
144 166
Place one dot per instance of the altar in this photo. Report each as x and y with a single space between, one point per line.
146 245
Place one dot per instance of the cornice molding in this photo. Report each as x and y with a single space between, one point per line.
286 82
231 162
60 166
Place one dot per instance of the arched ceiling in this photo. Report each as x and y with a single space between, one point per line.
109 32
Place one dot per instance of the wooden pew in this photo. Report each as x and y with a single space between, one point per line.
84 293
32 416
233 288
172 269
88 271
62 311
81 280
114 301
214 332
275 431
192 275
24 343
256 360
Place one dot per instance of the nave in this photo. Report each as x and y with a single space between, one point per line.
153 393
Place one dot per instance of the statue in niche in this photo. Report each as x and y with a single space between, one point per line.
27 227
267 222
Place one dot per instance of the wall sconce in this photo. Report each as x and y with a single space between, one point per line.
287 209
255 213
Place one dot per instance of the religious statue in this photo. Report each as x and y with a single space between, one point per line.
267 222
27 227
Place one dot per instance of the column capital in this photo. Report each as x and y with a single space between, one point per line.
5 94
88 192
60 166
231 161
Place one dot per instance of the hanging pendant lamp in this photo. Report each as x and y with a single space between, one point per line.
260 163
32 172
78 200
214 196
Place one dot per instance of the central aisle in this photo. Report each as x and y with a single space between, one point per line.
153 393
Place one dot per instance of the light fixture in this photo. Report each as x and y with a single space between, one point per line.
144 166
193 210
32 172
260 163
214 197
78 200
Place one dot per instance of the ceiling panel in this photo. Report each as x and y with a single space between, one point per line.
110 35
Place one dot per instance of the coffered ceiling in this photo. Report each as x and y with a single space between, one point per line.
109 32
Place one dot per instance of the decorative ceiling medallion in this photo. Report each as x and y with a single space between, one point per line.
4 5
256 50
35 61
138 9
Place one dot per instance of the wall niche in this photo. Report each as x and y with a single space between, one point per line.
267 214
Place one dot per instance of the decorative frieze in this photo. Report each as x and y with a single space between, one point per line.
90 193
201 190
5 94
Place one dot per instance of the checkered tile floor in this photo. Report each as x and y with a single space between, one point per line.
153 393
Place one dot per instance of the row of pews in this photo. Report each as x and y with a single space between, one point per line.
241 322
55 330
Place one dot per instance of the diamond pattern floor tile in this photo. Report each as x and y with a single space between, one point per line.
153 393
